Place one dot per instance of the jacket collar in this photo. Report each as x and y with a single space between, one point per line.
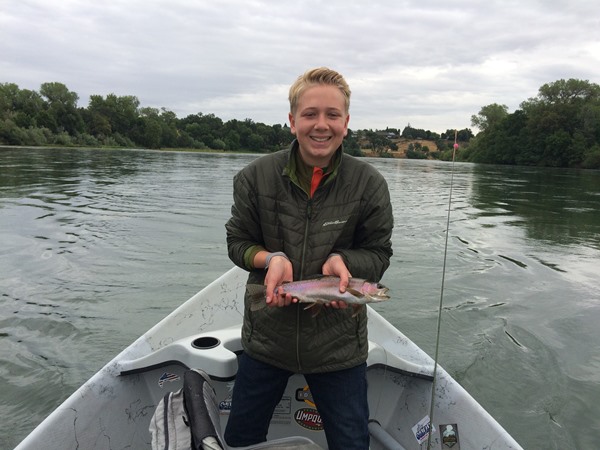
300 173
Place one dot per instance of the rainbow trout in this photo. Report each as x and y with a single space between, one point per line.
322 290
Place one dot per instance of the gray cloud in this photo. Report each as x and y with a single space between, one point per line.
428 63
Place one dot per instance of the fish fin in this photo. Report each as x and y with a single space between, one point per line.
316 308
356 309
257 293
354 292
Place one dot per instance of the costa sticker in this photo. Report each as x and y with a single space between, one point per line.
450 436
309 418
422 428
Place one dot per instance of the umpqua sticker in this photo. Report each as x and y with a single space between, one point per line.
309 418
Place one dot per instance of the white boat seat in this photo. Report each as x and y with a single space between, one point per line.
216 353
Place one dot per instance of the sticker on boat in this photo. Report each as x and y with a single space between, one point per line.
309 418
168 377
304 395
421 429
450 436
225 406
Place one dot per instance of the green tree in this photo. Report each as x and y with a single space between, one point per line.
112 114
30 105
558 128
415 151
489 116
8 99
351 145
256 143
22 106
148 129
204 127
169 131
378 142
62 108
562 121
417 133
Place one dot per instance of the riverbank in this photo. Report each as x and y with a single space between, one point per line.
402 145
63 147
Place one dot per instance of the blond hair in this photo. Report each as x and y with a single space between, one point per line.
312 77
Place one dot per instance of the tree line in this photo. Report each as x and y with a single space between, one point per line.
559 128
52 117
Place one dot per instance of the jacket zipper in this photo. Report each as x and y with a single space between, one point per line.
305 242
304 245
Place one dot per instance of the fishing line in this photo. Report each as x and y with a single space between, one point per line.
439 319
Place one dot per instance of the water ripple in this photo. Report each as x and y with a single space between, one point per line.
97 246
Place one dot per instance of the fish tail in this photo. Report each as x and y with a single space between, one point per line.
257 294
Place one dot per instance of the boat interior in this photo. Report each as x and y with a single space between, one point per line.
296 424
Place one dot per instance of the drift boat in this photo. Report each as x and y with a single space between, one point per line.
114 408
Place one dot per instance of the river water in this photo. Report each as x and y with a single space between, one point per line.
96 246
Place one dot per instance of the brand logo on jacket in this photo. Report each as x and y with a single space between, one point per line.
335 222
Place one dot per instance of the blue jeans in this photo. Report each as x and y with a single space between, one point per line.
340 397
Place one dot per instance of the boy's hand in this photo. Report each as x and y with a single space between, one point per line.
279 271
335 266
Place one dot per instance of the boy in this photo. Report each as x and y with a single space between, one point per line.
300 212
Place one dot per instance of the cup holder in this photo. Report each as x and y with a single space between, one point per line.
205 342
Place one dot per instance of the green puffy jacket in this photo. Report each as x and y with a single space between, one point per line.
349 214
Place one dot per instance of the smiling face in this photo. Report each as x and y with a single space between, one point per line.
320 123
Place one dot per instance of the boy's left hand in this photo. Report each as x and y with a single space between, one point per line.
335 266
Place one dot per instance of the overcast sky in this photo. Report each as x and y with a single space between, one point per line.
430 63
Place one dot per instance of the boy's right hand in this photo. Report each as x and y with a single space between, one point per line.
280 270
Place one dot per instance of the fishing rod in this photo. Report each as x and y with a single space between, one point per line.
439 319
